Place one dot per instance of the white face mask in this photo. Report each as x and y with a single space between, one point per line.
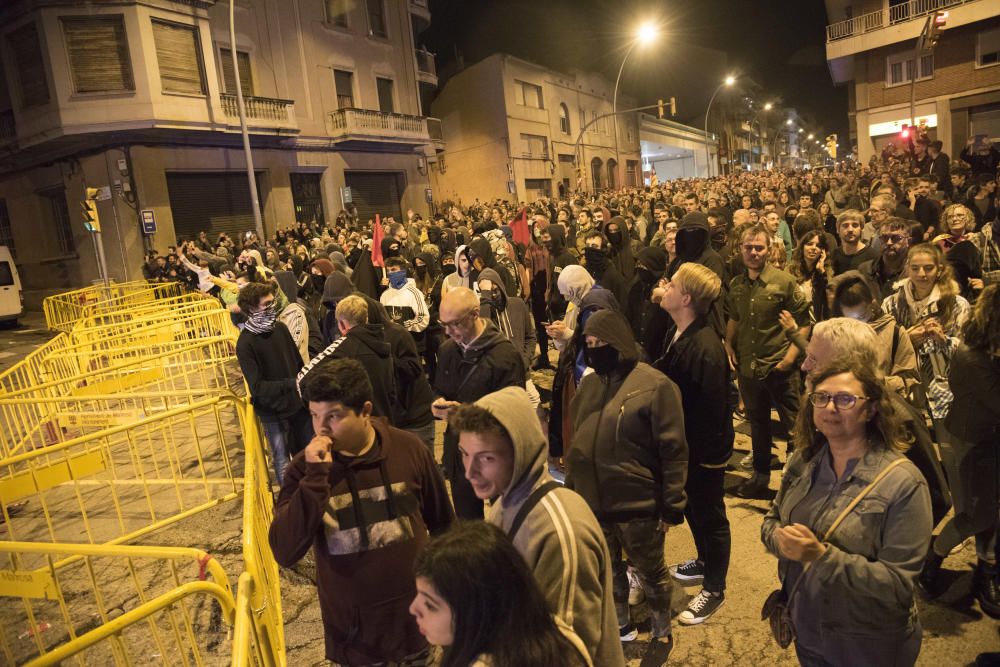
859 314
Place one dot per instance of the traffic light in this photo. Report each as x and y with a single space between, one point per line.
905 132
90 218
659 109
673 107
937 25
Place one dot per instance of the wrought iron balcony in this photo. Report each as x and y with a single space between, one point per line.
881 18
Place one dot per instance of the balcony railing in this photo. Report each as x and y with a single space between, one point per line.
876 20
425 62
369 125
8 131
260 108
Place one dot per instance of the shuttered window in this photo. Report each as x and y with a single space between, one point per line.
179 56
98 53
29 66
376 18
384 88
229 77
344 82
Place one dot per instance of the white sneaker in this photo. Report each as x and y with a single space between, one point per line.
636 595
701 607
746 463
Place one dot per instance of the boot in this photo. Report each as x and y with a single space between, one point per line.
756 487
986 588
927 580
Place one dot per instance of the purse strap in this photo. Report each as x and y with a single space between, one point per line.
843 515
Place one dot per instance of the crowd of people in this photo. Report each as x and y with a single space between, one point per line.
859 302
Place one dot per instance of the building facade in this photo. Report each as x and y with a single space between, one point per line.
140 97
956 92
519 131
672 150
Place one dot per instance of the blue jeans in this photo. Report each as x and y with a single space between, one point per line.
277 438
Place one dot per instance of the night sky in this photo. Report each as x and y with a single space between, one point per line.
776 44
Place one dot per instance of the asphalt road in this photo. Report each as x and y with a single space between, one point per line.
955 631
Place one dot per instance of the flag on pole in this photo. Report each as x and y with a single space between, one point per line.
377 259
519 226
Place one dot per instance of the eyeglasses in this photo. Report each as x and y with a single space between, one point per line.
456 322
841 401
892 238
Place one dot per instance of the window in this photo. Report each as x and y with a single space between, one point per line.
376 18
344 82
563 119
535 145
98 54
988 48
336 13
384 88
595 126
28 65
6 233
631 173
178 53
528 95
59 214
583 118
229 76
900 69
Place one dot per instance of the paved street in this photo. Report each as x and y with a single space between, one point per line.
954 629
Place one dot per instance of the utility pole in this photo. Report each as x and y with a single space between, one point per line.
254 197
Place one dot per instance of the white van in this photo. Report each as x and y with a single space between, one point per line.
11 300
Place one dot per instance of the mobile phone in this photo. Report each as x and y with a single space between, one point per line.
545 324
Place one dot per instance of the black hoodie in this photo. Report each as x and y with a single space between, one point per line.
694 244
481 247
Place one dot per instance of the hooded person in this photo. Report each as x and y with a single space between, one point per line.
633 475
620 247
461 276
538 262
293 314
340 262
556 532
480 255
694 244
320 270
366 276
509 314
649 322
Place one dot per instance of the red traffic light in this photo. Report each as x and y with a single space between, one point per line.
905 134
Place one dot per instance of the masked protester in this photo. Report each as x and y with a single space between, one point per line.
620 247
629 462
649 322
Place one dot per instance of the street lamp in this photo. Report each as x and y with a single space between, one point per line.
645 34
728 81
767 107
241 108
811 136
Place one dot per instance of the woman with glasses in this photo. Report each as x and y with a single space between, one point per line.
957 223
850 592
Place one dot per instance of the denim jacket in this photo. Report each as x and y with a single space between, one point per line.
858 596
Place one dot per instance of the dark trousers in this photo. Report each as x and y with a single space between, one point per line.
777 390
538 312
706 515
643 543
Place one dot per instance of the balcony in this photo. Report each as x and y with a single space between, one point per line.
8 130
365 126
261 111
420 9
426 68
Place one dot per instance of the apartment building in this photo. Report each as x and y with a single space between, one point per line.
956 92
139 96
512 130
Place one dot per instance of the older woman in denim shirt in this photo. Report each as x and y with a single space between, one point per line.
855 605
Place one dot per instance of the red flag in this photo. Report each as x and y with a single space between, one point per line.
519 226
377 242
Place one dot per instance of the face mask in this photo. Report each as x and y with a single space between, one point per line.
263 320
645 275
433 234
548 245
615 238
602 359
495 298
718 237
597 260
421 271
318 281
397 279
448 268
393 251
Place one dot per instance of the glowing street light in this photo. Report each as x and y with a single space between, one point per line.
811 136
788 122
768 106
728 81
800 130
645 34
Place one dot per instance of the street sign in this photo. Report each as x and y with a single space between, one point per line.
429 195
345 195
148 222
103 193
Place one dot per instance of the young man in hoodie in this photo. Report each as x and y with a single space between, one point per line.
363 496
366 343
269 361
475 360
693 357
404 301
629 461
503 451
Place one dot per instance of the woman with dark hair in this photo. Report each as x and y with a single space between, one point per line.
847 568
971 453
812 270
784 201
477 599
827 218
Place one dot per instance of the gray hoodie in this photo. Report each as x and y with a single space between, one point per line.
560 538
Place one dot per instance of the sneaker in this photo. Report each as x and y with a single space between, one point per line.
754 488
746 463
702 605
628 633
636 595
689 572
657 652
986 587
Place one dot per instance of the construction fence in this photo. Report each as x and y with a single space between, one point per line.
133 419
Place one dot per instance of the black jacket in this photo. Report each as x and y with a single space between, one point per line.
697 364
694 244
270 363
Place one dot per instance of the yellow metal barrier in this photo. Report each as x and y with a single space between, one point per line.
62 311
104 605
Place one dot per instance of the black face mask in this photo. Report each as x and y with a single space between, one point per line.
420 271
597 260
433 234
615 238
647 276
318 281
448 268
495 299
602 359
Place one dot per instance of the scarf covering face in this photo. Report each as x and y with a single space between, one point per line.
262 322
